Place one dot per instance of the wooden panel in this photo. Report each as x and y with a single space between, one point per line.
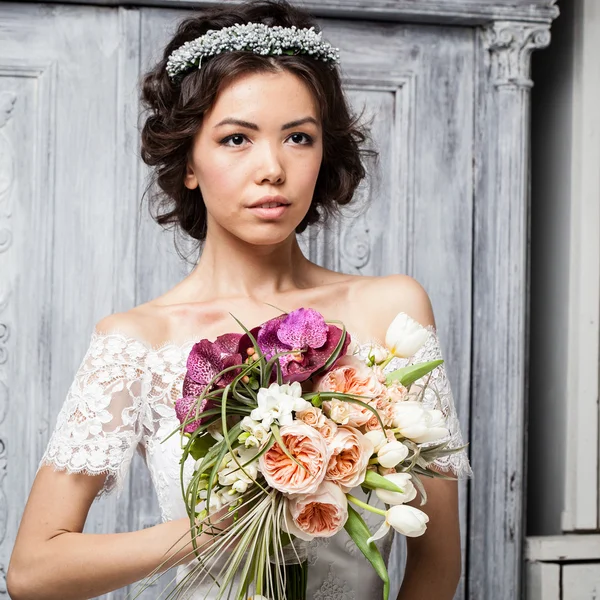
158 266
60 120
473 12
581 582
563 547
582 492
414 214
27 94
543 581
500 308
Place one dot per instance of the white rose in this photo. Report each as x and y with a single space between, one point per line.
339 411
392 454
378 353
405 336
403 481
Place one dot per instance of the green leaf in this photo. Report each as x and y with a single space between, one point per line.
357 529
412 373
201 445
374 480
316 401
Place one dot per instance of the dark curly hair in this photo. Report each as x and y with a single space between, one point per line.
176 111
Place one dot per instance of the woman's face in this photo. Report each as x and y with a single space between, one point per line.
262 138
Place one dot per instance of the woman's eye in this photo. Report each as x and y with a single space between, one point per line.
307 137
236 138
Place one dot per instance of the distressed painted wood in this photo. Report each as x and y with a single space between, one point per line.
500 302
442 100
411 86
59 200
582 485
580 581
471 12
556 548
543 581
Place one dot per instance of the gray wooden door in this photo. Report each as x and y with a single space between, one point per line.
76 247
414 215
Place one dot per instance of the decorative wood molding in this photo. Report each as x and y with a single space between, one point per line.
510 45
45 75
501 304
7 184
458 12
345 245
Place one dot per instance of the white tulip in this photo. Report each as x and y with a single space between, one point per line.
392 454
405 336
407 520
419 424
377 438
403 481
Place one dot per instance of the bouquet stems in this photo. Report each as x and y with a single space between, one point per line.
293 572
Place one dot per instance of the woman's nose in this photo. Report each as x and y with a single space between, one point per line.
270 168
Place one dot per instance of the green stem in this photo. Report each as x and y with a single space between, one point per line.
366 506
387 361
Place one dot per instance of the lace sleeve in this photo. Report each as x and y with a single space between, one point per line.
99 427
439 395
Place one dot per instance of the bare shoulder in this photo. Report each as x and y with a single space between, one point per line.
140 323
386 296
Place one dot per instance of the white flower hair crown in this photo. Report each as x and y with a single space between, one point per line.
253 37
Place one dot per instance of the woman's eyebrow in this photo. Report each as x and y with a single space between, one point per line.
254 126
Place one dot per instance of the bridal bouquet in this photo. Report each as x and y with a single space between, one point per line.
283 424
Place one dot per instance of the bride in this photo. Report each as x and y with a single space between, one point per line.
248 149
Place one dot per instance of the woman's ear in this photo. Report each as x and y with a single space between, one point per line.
190 181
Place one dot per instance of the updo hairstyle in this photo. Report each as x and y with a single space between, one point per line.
174 112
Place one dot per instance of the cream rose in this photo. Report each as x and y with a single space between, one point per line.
320 514
309 448
351 376
350 454
328 429
312 416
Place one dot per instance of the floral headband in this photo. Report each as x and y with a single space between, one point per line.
252 37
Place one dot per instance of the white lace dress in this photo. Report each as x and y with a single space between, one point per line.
122 400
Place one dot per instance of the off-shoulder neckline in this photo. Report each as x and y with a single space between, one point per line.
191 341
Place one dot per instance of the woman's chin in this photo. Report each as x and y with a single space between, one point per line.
267 236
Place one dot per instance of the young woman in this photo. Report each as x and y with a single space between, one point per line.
249 149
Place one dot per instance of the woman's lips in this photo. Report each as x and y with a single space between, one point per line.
274 212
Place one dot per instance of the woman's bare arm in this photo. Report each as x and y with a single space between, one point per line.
53 560
433 560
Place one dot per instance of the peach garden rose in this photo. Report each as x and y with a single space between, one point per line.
320 514
350 454
309 448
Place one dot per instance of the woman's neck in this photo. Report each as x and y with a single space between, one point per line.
238 269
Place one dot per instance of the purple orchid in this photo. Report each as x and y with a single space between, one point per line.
206 360
305 334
